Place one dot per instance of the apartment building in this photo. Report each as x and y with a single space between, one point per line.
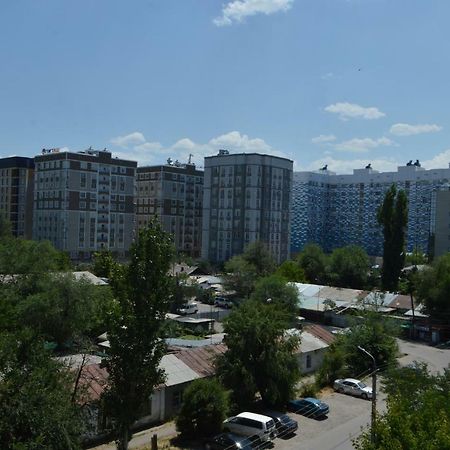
337 210
247 198
16 194
440 221
84 201
174 194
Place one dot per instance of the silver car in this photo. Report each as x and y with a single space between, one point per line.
353 387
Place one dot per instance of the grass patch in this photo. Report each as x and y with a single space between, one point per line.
191 337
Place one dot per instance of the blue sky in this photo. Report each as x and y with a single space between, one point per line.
337 82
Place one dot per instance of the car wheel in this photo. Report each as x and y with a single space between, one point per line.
364 396
340 390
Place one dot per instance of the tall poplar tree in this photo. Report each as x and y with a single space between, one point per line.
143 290
393 217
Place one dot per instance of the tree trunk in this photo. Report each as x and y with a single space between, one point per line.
122 442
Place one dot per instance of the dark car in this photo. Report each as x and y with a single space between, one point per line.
285 424
231 441
309 407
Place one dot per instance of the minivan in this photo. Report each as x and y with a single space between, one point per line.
248 424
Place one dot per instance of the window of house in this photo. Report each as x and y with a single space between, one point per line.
308 361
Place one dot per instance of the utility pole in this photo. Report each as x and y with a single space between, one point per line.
374 395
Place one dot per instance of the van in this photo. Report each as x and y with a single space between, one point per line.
249 424
188 308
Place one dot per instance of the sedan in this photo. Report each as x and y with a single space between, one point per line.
285 425
231 441
353 387
309 407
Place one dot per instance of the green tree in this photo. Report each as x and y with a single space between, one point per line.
418 413
143 290
349 267
275 289
260 357
242 271
56 306
104 264
36 411
393 217
374 333
205 407
291 271
433 289
313 261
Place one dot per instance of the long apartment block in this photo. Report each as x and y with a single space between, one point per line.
174 194
247 197
16 194
84 201
337 210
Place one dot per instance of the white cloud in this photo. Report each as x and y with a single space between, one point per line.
440 161
323 138
238 10
327 76
130 139
405 129
362 145
352 110
155 153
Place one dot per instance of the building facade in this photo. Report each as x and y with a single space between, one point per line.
247 198
440 221
174 194
84 201
16 194
337 210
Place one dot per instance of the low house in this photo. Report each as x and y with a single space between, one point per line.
181 368
315 341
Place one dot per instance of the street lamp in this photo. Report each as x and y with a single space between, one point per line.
374 394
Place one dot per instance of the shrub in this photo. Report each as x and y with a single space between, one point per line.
205 407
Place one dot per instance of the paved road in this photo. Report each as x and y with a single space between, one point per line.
349 415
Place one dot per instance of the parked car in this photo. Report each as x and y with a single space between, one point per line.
284 424
188 308
223 302
309 407
248 424
353 387
231 441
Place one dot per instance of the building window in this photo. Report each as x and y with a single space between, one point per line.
308 361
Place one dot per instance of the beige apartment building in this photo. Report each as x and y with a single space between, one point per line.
174 194
84 201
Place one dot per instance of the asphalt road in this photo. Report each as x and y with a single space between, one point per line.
349 415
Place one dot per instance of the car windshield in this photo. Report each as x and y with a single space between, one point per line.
362 385
285 418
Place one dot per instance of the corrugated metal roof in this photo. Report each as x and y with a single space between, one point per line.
309 343
177 372
401 302
201 359
321 333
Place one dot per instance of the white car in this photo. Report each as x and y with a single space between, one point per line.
188 308
249 424
353 387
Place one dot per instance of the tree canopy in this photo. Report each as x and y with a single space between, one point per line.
433 289
143 291
349 267
260 357
418 413
393 217
205 406
313 261
35 396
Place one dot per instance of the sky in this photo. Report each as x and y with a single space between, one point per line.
337 82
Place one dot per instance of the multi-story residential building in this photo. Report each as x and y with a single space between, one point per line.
173 193
247 198
337 210
440 221
16 194
84 201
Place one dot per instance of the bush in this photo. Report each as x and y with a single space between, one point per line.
205 407
309 390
